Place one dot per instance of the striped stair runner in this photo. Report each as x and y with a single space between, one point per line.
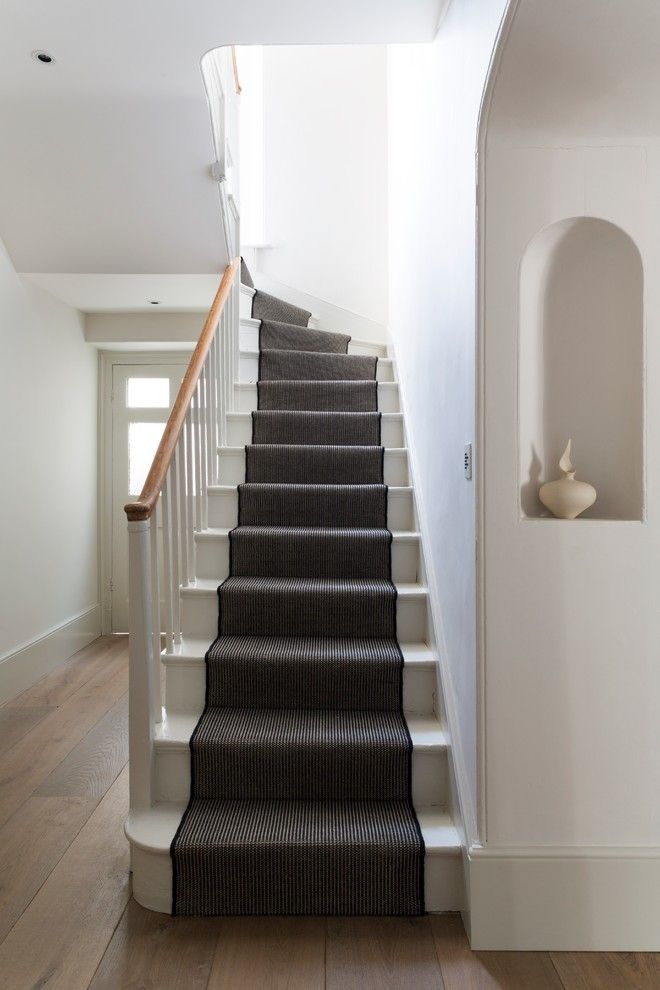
301 761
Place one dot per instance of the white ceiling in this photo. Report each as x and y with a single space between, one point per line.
104 157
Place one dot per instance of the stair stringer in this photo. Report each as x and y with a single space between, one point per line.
461 807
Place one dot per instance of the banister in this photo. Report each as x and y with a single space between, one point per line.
146 503
234 62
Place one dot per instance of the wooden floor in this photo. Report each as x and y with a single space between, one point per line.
66 915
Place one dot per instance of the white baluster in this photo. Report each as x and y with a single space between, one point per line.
179 457
197 450
190 497
157 701
141 667
203 433
234 315
167 567
174 523
213 408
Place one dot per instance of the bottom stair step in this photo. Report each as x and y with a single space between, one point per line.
298 857
151 833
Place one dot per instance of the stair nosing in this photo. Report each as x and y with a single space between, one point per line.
173 735
166 816
208 587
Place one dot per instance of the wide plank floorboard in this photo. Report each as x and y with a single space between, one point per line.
381 954
270 953
61 937
17 722
608 970
31 844
463 969
30 761
93 765
154 950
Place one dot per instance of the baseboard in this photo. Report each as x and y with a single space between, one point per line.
330 316
25 665
566 899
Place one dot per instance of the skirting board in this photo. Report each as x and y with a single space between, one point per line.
25 665
576 899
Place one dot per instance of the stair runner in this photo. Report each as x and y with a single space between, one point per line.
301 761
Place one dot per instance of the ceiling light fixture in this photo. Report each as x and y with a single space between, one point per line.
43 57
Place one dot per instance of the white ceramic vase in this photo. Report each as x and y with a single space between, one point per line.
567 498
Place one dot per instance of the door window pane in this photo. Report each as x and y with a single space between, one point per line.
148 393
143 439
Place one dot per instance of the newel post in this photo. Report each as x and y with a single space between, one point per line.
141 684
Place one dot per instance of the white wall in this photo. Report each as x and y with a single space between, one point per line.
48 410
572 623
434 97
326 174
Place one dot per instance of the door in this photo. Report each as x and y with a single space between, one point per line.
142 397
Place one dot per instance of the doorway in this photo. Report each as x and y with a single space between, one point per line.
140 393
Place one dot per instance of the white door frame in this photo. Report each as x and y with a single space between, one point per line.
107 361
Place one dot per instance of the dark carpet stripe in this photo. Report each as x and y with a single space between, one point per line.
275 336
312 366
298 857
287 551
324 396
304 672
316 465
312 505
263 606
267 307
353 429
301 763
294 753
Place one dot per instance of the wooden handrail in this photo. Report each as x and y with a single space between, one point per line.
145 505
234 62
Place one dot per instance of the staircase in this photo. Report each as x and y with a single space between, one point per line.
304 722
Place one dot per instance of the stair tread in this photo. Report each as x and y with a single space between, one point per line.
176 728
209 587
246 416
153 829
194 650
241 450
215 533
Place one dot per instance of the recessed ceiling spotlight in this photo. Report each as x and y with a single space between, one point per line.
43 57
155 302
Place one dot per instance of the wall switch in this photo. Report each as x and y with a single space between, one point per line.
467 462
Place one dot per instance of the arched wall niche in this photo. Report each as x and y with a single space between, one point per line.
580 364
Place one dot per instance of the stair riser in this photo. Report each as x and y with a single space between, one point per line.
245 305
245 398
250 340
223 509
232 466
212 559
239 431
152 881
199 617
185 688
249 368
429 775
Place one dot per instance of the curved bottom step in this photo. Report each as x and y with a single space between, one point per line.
151 832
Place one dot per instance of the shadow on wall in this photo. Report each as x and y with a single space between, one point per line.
581 364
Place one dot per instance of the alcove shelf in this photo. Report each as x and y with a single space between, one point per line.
580 365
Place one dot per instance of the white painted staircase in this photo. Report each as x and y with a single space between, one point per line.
151 830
